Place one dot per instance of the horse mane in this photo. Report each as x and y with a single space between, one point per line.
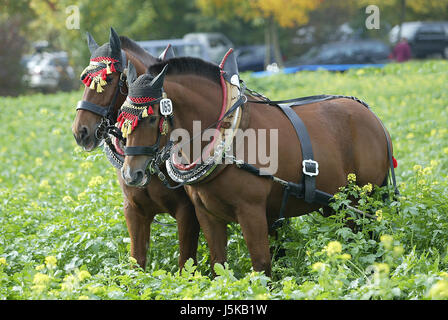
138 52
187 65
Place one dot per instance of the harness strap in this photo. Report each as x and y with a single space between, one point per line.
307 152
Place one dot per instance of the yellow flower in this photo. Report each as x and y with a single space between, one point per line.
398 251
41 279
445 150
379 215
318 267
410 136
427 170
83 274
387 241
44 184
439 290
417 167
50 261
345 256
38 162
43 111
67 199
83 298
367 188
40 267
434 163
95 181
351 177
82 196
383 267
2 261
333 247
86 165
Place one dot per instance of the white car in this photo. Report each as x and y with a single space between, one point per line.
216 44
49 72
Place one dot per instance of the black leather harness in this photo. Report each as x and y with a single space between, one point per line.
306 188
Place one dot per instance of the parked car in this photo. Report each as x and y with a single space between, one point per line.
181 48
216 44
424 38
251 58
344 52
49 72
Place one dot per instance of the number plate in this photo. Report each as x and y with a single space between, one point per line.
166 107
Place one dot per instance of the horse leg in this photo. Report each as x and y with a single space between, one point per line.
139 228
252 220
215 232
188 230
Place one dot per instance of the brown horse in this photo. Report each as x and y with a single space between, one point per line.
346 137
140 204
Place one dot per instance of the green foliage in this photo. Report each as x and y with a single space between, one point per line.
63 234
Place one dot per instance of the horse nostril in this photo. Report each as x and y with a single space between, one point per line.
137 176
132 178
83 133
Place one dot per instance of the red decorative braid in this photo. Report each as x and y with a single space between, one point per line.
141 99
99 59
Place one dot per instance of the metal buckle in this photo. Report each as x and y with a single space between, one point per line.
313 171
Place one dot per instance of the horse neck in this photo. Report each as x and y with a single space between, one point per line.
194 98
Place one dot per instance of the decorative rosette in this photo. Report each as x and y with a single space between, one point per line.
133 110
96 72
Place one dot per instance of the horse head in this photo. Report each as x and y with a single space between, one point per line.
143 120
105 85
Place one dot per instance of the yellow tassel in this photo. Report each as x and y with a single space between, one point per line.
124 129
92 84
99 88
108 68
129 128
145 113
102 82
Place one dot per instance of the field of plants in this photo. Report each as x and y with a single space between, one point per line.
63 234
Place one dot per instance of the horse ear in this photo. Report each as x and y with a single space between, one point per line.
91 43
157 82
115 44
168 53
132 73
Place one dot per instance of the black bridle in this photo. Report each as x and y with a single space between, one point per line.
106 113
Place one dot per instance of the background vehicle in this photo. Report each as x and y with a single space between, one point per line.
346 52
425 38
49 72
181 48
251 58
216 44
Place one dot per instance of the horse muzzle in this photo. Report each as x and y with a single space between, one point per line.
86 138
134 178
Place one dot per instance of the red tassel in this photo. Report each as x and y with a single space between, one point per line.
88 81
150 111
395 162
104 74
112 67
